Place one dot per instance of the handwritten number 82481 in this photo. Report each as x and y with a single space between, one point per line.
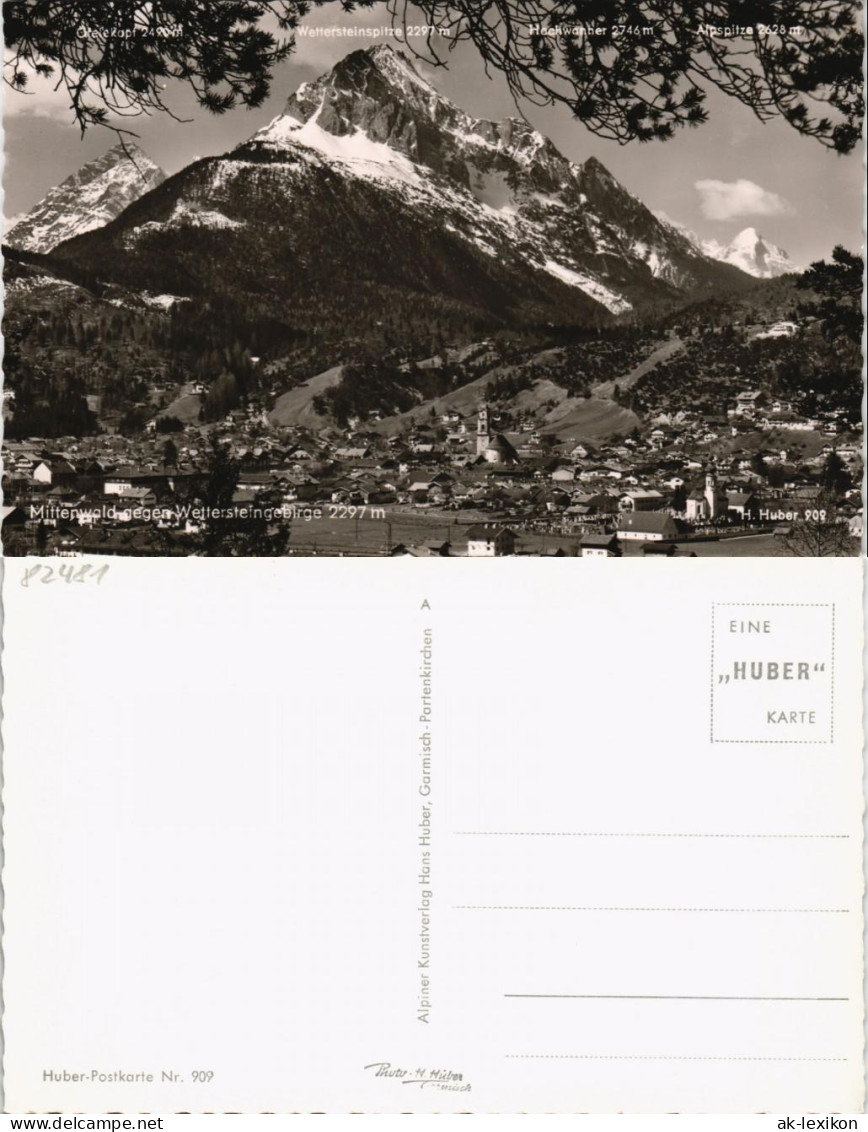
65 573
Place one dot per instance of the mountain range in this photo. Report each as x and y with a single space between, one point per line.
372 196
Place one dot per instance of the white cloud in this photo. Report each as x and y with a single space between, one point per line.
722 200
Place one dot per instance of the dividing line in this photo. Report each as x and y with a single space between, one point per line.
694 997
594 908
584 833
652 1057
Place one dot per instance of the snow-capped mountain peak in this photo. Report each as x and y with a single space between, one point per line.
754 254
381 94
374 116
748 251
373 181
98 192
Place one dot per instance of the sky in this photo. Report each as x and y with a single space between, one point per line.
732 173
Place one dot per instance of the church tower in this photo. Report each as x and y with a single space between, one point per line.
483 437
712 496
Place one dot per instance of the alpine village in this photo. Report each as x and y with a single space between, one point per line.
383 327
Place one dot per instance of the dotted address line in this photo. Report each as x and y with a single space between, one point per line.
652 1057
637 908
594 833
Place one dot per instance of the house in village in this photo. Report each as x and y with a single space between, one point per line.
421 550
747 403
126 479
600 546
129 506
641 500
488 541
564 473
741 504
356 453
647 526
53 472
418 492
12 517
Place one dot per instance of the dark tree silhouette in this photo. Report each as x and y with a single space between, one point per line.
820 533
838 286
231 530
47 403
679 498
650 72
116 58
629 69
758 464
834 477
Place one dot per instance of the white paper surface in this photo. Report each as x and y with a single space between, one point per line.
557 863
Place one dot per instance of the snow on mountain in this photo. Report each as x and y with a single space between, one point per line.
750 252
90 198
375 117
372 182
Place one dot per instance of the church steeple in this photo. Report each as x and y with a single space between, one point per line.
483 436
712 495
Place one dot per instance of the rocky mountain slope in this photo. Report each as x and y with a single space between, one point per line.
374 197
98 192
575 221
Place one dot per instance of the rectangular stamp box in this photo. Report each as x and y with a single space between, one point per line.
772 673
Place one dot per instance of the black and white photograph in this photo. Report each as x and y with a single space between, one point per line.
439 280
